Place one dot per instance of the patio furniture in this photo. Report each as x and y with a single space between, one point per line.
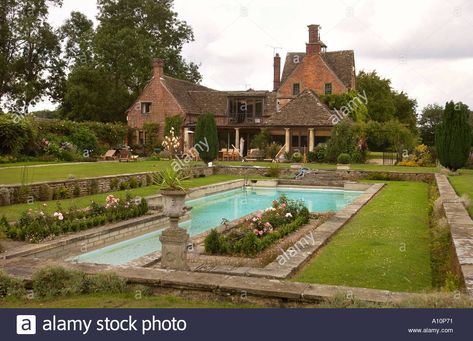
255 154
110 155
126 155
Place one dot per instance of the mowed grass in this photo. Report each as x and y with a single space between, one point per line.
463 184
127 300
385 246
51 172
30 173
13 212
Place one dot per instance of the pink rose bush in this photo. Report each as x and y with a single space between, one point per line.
260 229
35 226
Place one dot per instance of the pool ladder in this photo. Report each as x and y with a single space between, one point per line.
245 183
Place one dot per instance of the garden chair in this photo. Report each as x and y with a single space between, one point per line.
109 155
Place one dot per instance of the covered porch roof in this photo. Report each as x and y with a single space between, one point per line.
306 110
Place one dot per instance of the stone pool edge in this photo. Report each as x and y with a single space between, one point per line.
321 235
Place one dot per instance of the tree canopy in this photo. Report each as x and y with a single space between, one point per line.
31 67
384 103
93 72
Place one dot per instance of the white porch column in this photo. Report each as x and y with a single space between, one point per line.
186 139
311 139
288 140
237 138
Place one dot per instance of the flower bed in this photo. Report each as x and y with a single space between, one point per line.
36 226
259 231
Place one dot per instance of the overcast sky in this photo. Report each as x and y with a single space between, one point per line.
425 47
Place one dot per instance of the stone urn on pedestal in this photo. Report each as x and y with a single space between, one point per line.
174 239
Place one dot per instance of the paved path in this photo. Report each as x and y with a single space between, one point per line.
461 227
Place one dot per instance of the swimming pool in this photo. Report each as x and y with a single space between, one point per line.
209 211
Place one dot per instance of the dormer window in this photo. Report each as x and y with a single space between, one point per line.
328 88
296 89
145 108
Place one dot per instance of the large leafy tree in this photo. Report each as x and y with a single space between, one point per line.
78 35
428 122
111 64
453 136
350 101
133 32
92 96
206 134
380 105
30 63
384 103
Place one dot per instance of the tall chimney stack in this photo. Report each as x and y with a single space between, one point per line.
277 72
158 68
315 45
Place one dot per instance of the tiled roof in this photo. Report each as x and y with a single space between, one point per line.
305 110
180 90
342 64
198 99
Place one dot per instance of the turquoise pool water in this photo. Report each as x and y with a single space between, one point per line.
208 212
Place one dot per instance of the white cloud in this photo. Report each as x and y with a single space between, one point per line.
425 47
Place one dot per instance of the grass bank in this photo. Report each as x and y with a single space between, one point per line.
125 300
463 184
63 171
13 212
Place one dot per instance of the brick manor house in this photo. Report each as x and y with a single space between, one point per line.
292 112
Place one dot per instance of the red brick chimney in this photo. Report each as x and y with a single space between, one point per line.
277 71
314 45
158 68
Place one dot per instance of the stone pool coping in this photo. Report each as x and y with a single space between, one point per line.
461 228
150 259
102 236
321 234
95 237
220 284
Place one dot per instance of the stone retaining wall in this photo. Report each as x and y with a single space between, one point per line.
89 240
276 291
461 227
18 194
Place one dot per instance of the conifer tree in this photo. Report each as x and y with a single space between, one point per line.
453 136
206 135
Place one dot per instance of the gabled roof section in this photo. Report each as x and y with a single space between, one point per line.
305 110
216 101
342 64
180 90
293 60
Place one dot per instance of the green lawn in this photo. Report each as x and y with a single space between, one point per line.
463 184
13 212
28 163
120 301
385 246
30 172
63 171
